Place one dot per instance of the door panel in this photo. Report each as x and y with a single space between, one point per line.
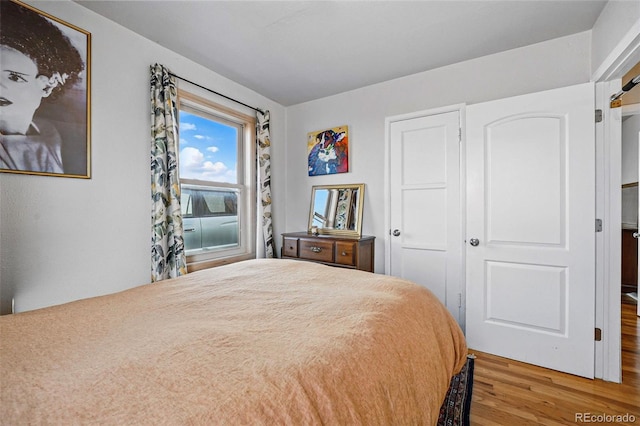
426 267
425 230
424 151
527 296
531 205
425 205
525 203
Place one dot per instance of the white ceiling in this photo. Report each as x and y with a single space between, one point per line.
296 51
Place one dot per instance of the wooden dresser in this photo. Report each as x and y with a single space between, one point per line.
345 252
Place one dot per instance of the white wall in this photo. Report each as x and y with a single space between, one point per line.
618 20
630 134
630 129
63 239
552 64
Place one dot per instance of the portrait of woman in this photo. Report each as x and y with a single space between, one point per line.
43 102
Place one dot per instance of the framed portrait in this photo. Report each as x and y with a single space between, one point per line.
328 151
45 95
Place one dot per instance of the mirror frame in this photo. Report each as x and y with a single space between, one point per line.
357 232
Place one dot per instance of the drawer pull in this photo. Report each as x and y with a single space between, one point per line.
344 253
316 249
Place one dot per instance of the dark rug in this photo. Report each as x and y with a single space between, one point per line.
456 405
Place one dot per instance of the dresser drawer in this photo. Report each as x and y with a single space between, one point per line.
290 247
345 253
349 253
316 250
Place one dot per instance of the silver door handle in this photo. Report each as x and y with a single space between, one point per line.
636 235
190 230
396 232
474 241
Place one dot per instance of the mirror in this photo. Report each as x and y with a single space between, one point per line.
336 209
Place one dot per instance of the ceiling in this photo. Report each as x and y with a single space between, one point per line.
297 51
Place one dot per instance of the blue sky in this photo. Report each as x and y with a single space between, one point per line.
208 149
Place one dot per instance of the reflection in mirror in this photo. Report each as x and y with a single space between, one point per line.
336 209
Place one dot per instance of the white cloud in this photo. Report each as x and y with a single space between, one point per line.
211 168
194 166
199 136
213 149
185 127
183 142
190 158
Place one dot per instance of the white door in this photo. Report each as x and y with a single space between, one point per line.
425 214
531 228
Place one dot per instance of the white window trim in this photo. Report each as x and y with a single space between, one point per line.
246 171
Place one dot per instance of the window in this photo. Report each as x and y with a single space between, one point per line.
216 162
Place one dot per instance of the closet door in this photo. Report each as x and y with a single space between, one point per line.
425 205
531 228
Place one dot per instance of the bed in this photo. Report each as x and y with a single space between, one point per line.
265 341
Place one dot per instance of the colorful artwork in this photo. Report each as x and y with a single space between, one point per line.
328 151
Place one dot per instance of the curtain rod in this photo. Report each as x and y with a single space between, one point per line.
219 94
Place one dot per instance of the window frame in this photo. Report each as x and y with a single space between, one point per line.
246 181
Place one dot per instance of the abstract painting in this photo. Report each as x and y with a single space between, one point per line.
328 151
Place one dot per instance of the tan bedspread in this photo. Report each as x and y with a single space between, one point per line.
258 342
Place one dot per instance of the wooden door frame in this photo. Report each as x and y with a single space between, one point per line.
460 109
608 204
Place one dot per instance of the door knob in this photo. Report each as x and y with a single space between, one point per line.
636 235
474 241
396 232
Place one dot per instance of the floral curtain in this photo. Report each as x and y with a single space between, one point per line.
264 158
168 258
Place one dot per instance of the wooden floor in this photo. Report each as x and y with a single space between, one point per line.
507 392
